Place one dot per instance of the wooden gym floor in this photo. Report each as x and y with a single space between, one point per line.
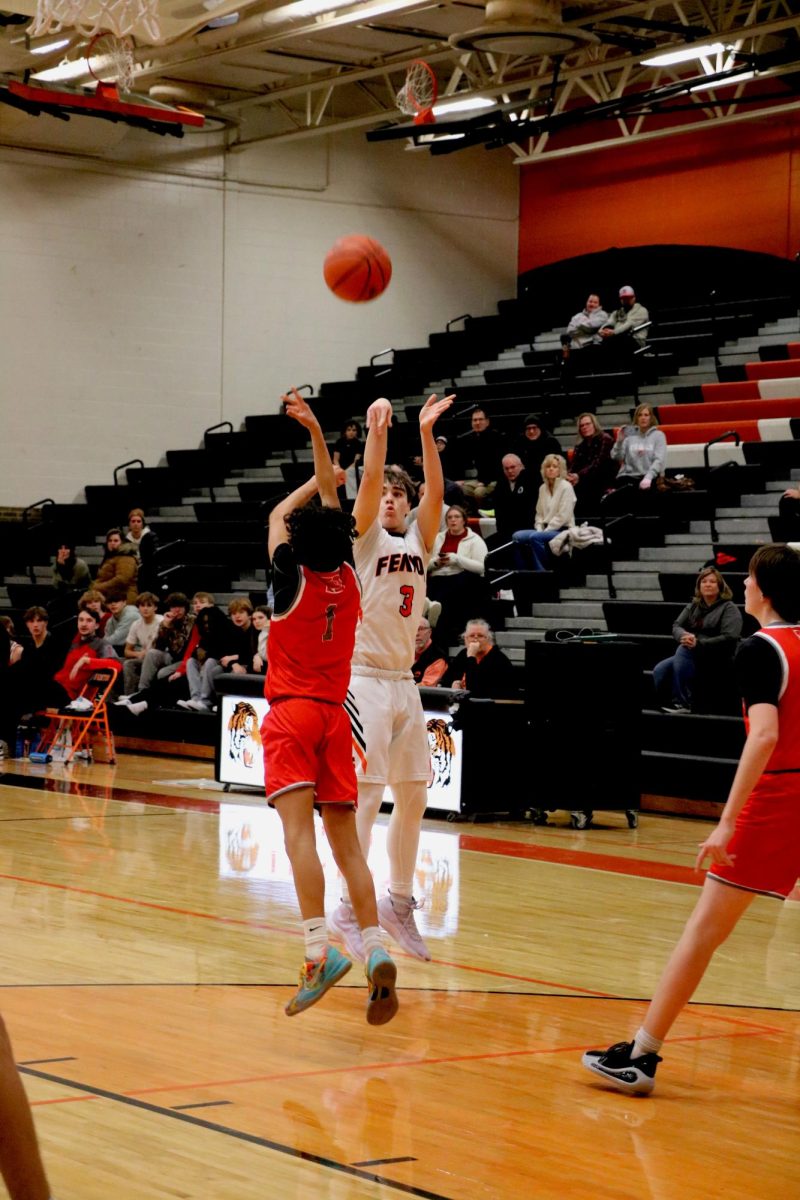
150 940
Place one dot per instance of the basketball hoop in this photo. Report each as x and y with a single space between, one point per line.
110 61
91 17
417 96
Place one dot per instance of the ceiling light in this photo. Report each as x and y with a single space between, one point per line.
453 104
740 77
65 71
49 46
330 8
526 28
685 55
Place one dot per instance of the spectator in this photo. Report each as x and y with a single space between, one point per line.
14 648
95 602
583 329
204 664
707 632
88 652
141 637
122 618
242 641
481 451
28 683
430 662
642 450
537 443
119 568
70 576
6 722
789 510
145 543
486 672
262 615
161 664
200 600
591 471
621 330
455 573
514 498
555 510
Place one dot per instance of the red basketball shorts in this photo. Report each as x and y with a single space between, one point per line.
309 744
766 841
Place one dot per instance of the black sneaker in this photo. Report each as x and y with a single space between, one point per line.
615 1065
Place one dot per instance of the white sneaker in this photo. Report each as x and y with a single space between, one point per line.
139 707
198 705
80 705
342 921
123 702
185 704
396 916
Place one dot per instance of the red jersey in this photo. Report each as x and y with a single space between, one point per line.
311 641
786 639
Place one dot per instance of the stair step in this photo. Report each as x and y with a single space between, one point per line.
580 611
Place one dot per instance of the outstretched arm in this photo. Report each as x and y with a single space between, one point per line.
430 506
323 480
370 490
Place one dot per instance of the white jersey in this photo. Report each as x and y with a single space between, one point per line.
392 568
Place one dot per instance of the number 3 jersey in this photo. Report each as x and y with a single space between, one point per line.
312 631
391 567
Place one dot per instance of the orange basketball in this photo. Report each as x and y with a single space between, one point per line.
357 268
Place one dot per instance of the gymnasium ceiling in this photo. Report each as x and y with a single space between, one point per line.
300 69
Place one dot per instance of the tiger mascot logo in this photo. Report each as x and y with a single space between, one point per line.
443 749
245 734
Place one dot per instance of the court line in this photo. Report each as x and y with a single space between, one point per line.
587 859
96 1093
93 1093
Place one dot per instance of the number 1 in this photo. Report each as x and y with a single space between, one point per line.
330 613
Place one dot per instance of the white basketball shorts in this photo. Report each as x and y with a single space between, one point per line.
390 726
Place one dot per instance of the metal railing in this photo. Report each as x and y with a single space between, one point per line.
132 462
723 437
27 531
380 354
455 320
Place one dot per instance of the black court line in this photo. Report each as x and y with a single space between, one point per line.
38 1062
383 1162
415 991
251 1138
203 1104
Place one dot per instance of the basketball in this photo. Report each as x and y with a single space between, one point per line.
357 268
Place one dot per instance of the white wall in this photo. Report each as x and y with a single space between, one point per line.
142 303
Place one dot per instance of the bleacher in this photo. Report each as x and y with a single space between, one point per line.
208 504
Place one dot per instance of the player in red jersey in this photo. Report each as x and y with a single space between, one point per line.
308 759
755 848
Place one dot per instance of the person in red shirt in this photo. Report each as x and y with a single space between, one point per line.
307 738
88 652
755 848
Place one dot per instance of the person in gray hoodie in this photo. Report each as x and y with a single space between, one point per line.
709 627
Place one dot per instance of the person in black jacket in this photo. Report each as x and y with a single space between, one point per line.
536 444
514 498
707 632
204 663
480 452
483 670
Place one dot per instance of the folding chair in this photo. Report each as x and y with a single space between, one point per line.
59 731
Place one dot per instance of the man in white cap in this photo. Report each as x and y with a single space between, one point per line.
625 319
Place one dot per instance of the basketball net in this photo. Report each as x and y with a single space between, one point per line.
91 17
110 61
417 96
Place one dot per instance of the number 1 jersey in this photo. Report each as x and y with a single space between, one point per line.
391 567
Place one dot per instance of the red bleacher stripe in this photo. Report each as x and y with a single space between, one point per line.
794 349
787 369
730 391
747 410
706 431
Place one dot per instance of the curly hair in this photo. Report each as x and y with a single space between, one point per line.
321 537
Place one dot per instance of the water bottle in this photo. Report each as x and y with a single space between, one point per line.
19 750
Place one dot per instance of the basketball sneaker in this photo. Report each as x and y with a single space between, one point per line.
316 978
381 976
396 915
615 1065
342 921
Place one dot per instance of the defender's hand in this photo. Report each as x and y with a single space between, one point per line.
432 409
296 407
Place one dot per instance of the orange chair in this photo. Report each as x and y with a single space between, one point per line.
95 719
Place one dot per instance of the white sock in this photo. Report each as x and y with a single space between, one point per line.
403 891
645 1043
371 936
315 933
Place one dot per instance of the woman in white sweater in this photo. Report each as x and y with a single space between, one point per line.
554 512
455 575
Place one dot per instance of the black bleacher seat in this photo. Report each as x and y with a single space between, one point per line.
233 556
24 595
263 491
777 458
235 451
229 512
196 468
640 616
157 487
111 502
274 432
698 733
191 578
209 531
773 353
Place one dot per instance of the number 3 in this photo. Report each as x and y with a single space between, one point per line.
407 592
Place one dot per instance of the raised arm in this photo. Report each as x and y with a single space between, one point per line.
430 506
323 480
370 490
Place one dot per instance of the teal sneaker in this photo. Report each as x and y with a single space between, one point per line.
316 978
381 976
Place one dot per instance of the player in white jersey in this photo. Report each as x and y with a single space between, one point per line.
389 725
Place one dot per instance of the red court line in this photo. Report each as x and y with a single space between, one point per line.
383 1066
589 860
